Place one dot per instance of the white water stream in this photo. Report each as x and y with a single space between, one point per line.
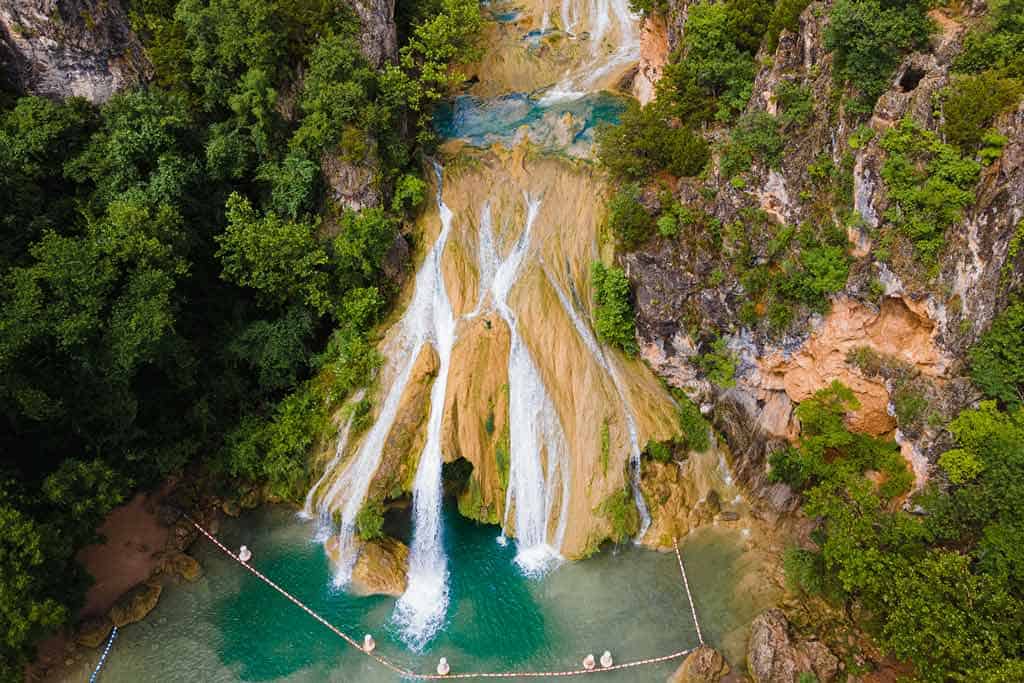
610 366
534 490
420 612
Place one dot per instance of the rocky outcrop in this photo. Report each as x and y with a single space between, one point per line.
94 632
351 176
378 38
381 568
774 657
654 52
134 605
64 48
703 665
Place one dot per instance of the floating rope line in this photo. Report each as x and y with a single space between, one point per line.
430 677
103 657
686 584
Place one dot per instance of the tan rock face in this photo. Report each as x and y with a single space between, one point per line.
475 423
94 632
381 568
405 440
653 57
685 496
703 665
774 657
895 330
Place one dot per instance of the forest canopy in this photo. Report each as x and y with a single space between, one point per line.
179 287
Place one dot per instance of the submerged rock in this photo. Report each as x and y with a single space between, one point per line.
381 568
703 665
182 565
134 605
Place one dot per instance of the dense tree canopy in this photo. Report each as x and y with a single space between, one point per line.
176 289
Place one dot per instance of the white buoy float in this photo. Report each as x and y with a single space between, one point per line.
368 643
588 662
606 659
244 555
442 666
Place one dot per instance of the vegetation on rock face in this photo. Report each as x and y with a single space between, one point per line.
929 185
997 364
620 511
613 313
178 289
945 589
868 38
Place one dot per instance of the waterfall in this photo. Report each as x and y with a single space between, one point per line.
318 508
420 612
348 491
612 369
532 491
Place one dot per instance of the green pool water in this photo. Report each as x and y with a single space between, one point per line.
230 627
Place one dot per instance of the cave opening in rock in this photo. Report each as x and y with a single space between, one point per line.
455 476
910 79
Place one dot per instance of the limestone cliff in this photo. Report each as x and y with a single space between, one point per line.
921 324
64 48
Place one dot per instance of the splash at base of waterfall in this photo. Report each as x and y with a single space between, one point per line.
421 612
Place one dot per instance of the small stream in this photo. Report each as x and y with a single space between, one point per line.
227 626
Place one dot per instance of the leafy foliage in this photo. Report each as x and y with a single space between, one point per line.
929 185
613 312
718 363
627 218
971 102
996 363
868 38
644 143
785 17
754 137
943 590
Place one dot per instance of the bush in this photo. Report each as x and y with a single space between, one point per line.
970 103
613 314
694 428
719 364
656 450
796 104
628 219
620 511
785 16
644 142
370 521
997 364
868 38
997 43
929 185
755 137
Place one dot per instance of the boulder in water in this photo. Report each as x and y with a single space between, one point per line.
185 566
381 568
703 665
134 605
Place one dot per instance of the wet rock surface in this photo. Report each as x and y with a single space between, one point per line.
703 665
381 568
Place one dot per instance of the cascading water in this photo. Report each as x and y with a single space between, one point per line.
348 491
611 368
603 15
420 612
318 508
532 492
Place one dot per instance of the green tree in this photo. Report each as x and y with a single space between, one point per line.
279 259
996 363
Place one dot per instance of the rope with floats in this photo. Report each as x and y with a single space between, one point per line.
401 671
103 657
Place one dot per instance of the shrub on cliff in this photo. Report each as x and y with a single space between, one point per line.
928 184
614 319
868 38
628 219
971 102
997 364
644 143
944 589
